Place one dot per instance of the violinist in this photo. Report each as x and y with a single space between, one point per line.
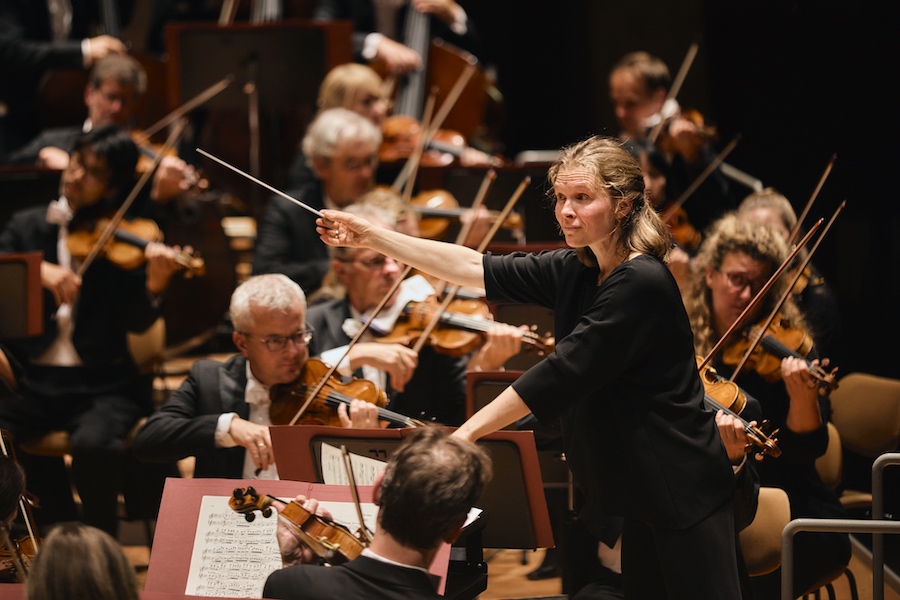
81 377
623 376
638 87
114 86
221 413
735 260
813 295
430 386
411 525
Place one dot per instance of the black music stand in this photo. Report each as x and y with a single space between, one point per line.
22 301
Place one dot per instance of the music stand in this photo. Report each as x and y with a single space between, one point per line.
513 502
22 301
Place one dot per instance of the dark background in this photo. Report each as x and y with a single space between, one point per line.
798 81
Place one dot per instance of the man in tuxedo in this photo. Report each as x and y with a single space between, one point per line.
423 495
221 413
79 375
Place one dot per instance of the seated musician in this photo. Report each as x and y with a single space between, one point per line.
114 86
734 262
221 413
342 148
430 386
411 525
80 375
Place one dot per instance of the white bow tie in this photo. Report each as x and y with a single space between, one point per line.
59 213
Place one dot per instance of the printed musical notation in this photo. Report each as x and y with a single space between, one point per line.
365 469
231 557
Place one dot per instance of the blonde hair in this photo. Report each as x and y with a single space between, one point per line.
733 233
341 84
770 198
616 171
80 562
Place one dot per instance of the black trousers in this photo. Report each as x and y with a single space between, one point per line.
98 408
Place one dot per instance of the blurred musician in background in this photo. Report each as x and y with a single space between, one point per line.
37 36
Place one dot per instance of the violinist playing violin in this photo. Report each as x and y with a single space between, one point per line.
81 376
115 84
430 386
411 527
221 413
735 260
639 84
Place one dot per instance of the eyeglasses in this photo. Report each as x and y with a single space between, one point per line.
370 264
355 164
277 343
739 282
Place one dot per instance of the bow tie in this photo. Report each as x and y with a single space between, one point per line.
58 212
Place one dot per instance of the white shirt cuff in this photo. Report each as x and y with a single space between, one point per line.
223 438
370 45
737 468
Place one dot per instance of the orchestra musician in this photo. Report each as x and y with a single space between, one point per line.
639 85
342 149
378 29
734 262
37 36
114 86
221 413
411 525
81 376
430 385
623 376
813 295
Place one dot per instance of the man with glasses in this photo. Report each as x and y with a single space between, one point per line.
78 374
430 386
342 150
220 414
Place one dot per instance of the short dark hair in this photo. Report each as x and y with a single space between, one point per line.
429 485
117 149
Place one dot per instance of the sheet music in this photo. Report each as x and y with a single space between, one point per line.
365 469
231 557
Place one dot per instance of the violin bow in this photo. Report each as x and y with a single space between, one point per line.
448 298
712 166
365 533
120 214
759 296
812 198
429 131
675 88
190 105
784 296
406 178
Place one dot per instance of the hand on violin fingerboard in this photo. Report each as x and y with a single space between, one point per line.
63 283
161 265
503 342
734 436
171 179
398 361
294 551
804 415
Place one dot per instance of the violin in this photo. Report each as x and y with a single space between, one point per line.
287 399
437 207
332 542
149 155
125 248
22 552
779 342
683 232
724 395
460 328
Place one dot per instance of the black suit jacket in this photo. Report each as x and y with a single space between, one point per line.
63 138
111 302
186 424
437 390
287 241
360 579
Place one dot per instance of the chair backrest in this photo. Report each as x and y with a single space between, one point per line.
830 464
761 539
147 348
484 386
866 410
